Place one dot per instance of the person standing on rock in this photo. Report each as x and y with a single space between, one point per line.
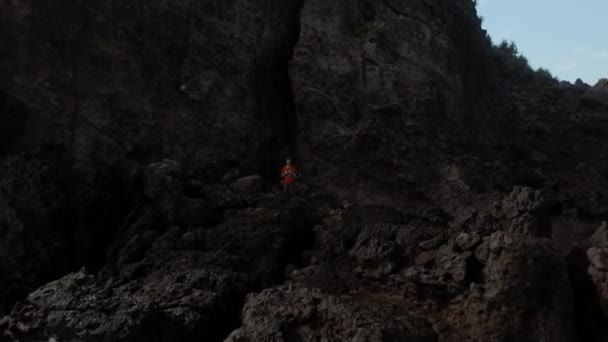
288 173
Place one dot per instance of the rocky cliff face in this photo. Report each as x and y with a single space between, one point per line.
89 91
439 204
382 90
115 81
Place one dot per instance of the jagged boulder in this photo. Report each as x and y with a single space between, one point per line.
502 286
248 185
467 241
598 270
581 83
376 253
222 197
397 117
301 314
597 257
166 282
523 211
163 186
602 84
600 237
176 305
230 176
508 286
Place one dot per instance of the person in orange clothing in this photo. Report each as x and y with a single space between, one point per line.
288 173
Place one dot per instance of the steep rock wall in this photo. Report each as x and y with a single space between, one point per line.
387 95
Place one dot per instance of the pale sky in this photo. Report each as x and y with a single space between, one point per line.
568 37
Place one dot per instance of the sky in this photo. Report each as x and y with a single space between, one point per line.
568 37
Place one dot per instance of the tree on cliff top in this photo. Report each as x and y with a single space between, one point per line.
513 66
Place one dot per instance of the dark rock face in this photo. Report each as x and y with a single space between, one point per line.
54 219
597 96
503 286
110 87
143 81
13 116
49 225
248 185
380 95
284 314
169 276
143 142
520 274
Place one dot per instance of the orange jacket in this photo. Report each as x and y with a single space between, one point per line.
288 172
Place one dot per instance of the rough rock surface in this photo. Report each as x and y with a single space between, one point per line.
114 81
285 314
168 278
378 89
49 225
440 203
598 268
248 185
91 92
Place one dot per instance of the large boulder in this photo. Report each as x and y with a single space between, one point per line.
518 288
178 304
248 185
501 286
598 270
284 314
597 257
522 211
600 237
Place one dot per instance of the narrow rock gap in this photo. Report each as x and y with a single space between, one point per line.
474 271
273 86
300 241
15 116
277 113
590 322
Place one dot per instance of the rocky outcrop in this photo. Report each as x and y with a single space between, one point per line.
602 84
522 211
587 280
170 277
598 265
248 185
439 204
596 96
519 289
286 314
140 82
48 226
91 92
505 285
381 101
